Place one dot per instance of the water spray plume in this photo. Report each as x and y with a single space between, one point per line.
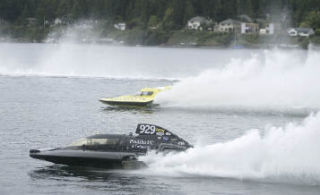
273 79
284 154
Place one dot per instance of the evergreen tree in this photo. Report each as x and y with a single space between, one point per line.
188 12
171 13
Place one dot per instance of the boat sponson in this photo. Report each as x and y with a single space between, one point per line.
83 158
130 103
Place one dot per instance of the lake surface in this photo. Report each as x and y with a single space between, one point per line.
247 112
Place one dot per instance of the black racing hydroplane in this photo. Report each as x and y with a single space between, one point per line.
114 151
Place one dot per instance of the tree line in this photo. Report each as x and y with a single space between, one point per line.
171 14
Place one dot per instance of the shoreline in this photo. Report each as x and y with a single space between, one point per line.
267 46
145 37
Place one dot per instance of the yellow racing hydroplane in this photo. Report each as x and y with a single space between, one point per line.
144 98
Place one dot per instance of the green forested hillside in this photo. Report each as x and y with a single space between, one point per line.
168 15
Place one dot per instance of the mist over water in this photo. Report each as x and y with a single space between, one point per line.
73 52
288 154
93 60
273 79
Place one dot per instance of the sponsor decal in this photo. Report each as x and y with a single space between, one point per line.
165 138
141 146
160 133
141 141
159 130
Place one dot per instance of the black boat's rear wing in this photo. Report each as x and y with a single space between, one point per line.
164 134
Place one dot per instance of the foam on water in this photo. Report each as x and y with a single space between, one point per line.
284 154
273 79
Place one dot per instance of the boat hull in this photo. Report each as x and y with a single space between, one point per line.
108 160
126 103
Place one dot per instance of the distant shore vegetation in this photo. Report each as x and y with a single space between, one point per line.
183 23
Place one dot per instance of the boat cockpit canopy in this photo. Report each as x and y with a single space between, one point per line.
97 140
143 93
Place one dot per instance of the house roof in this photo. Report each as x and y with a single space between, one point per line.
245 18
261 20
230 21
198 19
303 30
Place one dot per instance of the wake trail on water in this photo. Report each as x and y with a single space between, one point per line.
288 154
274 79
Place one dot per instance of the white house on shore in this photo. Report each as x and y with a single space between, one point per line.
120 26
246 25
302 32
229 25
249 28
197 22
268 30
57 21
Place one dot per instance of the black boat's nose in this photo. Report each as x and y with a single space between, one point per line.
33 151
